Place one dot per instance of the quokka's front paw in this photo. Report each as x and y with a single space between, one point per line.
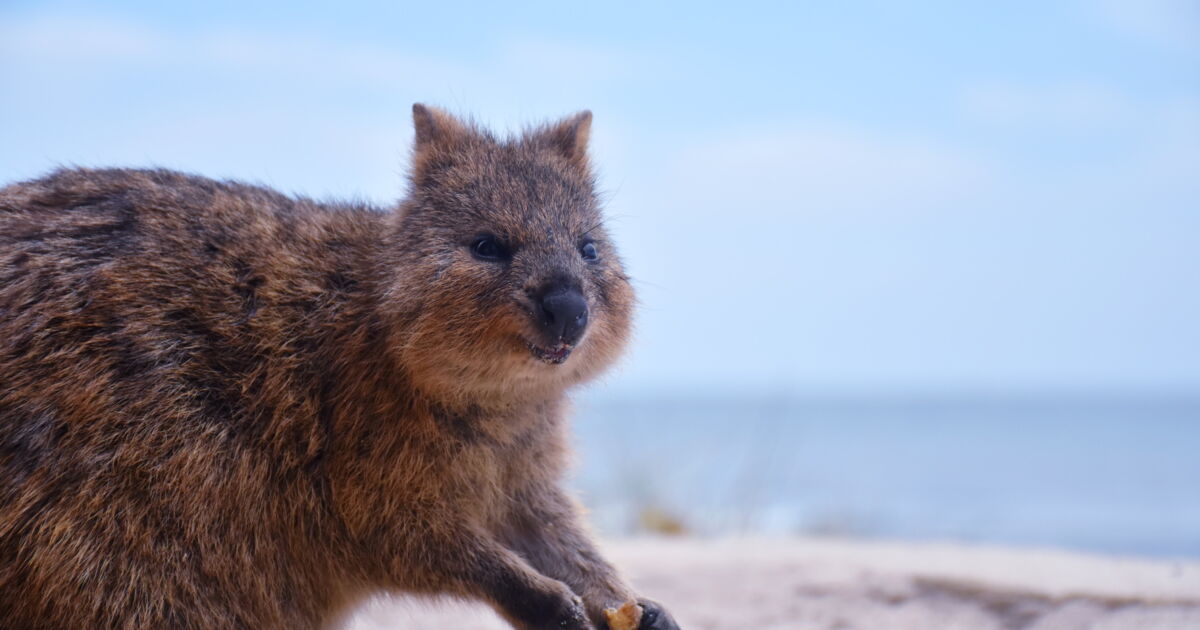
570 616
655 617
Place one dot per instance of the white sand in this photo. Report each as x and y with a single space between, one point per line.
803 584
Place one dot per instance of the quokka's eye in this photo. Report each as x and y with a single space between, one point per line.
589 253
488 248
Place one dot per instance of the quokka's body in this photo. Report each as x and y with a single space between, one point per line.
222 407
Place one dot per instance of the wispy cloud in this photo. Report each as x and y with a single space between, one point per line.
94 40
1168 24
813 167
116 43
1073 105
1121 144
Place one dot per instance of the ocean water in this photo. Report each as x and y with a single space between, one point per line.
1109 475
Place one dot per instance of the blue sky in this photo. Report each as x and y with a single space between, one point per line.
956 196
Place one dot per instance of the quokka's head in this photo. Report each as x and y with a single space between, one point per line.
502 277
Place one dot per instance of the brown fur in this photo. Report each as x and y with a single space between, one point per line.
222 407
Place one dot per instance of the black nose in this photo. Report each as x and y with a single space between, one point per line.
564 314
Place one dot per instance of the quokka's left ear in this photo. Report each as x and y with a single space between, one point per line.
435 126
570 137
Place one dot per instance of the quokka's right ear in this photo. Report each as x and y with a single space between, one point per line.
570 137
435 127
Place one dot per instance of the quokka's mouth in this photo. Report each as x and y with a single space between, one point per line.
554 356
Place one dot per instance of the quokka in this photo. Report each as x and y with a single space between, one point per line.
224 407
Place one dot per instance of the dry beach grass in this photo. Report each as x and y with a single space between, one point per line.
818 584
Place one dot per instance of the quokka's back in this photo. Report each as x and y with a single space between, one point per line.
224 407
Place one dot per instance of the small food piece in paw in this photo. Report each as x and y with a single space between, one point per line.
627 617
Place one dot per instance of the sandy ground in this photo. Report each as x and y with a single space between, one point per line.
809 584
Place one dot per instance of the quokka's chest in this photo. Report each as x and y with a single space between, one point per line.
475 464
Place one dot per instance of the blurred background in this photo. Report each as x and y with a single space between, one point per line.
913 271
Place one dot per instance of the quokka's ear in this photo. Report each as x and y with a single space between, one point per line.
435 126
570 137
